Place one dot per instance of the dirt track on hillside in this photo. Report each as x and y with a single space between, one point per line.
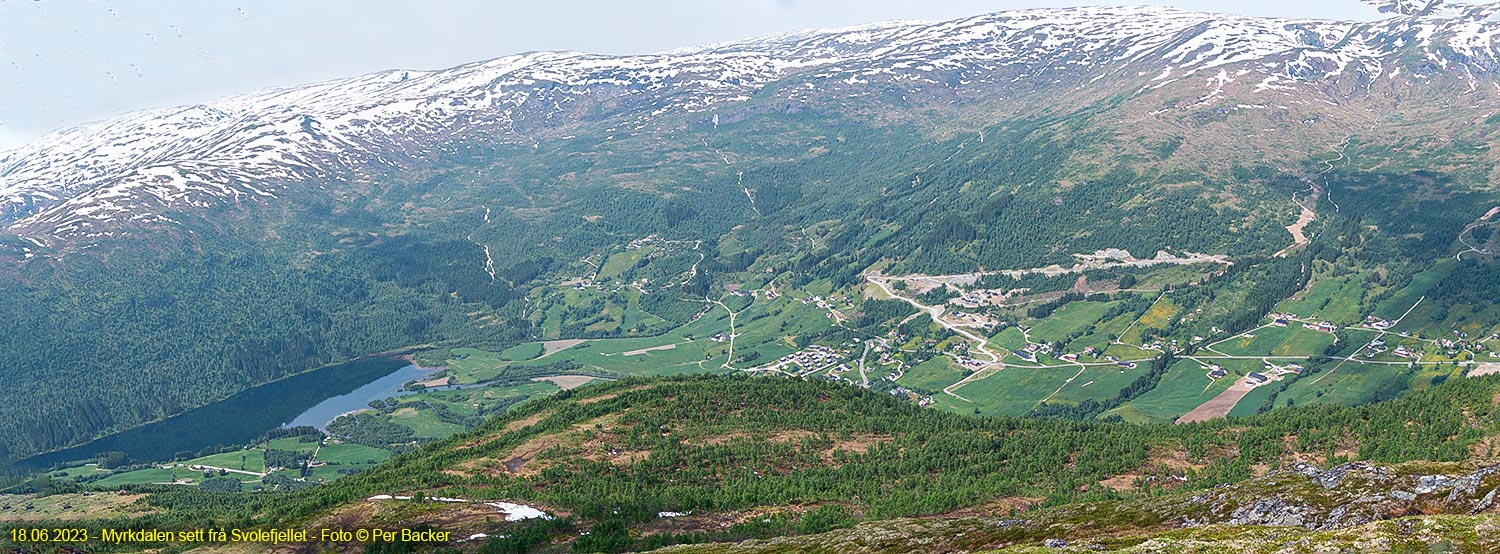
1297 229
1218 406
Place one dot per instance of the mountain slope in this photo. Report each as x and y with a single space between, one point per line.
168 259
140 168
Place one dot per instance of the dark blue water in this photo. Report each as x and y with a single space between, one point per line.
241 418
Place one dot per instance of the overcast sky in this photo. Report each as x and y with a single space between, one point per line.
69 62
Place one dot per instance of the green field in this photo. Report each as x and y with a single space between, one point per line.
1424 377
522 352
1071 318
932 375
1396 305
1155 318
147 476
591 312
1336 299
1292 340
1099 339
78 471
343 459
620 262
763 327
1431 319
1251 403
338 456
1097 383
249 459
1014 391
1127 352
468 365
1008 339
416 412
344 453
292 444
1185 386
1351 384
423 423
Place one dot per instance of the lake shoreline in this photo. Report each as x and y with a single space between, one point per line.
236 419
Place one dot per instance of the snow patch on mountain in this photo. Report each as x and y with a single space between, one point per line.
82 182
1404 7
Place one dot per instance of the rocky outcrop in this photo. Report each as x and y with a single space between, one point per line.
1347 495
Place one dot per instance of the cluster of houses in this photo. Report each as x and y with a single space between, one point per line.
1288 369
1032 349
908 394
1451 347
643 242
828 304
1028 352
1321 326
1255 378
588 281
1283 320
736 289
1158 345
815 357
979 298
1372 322
1378 346
585 283
1116 359
970 363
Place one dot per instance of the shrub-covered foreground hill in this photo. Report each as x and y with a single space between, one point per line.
639 464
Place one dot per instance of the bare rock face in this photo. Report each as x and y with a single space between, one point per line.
1332 477
1405 7
1348 495
1466 486
1486 502
1269 511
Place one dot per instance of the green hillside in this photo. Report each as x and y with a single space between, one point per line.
745 457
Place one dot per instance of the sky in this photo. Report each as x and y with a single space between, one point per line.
66 62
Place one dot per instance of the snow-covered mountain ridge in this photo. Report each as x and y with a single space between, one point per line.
88 180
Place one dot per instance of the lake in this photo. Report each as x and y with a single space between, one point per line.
248 414
385 387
